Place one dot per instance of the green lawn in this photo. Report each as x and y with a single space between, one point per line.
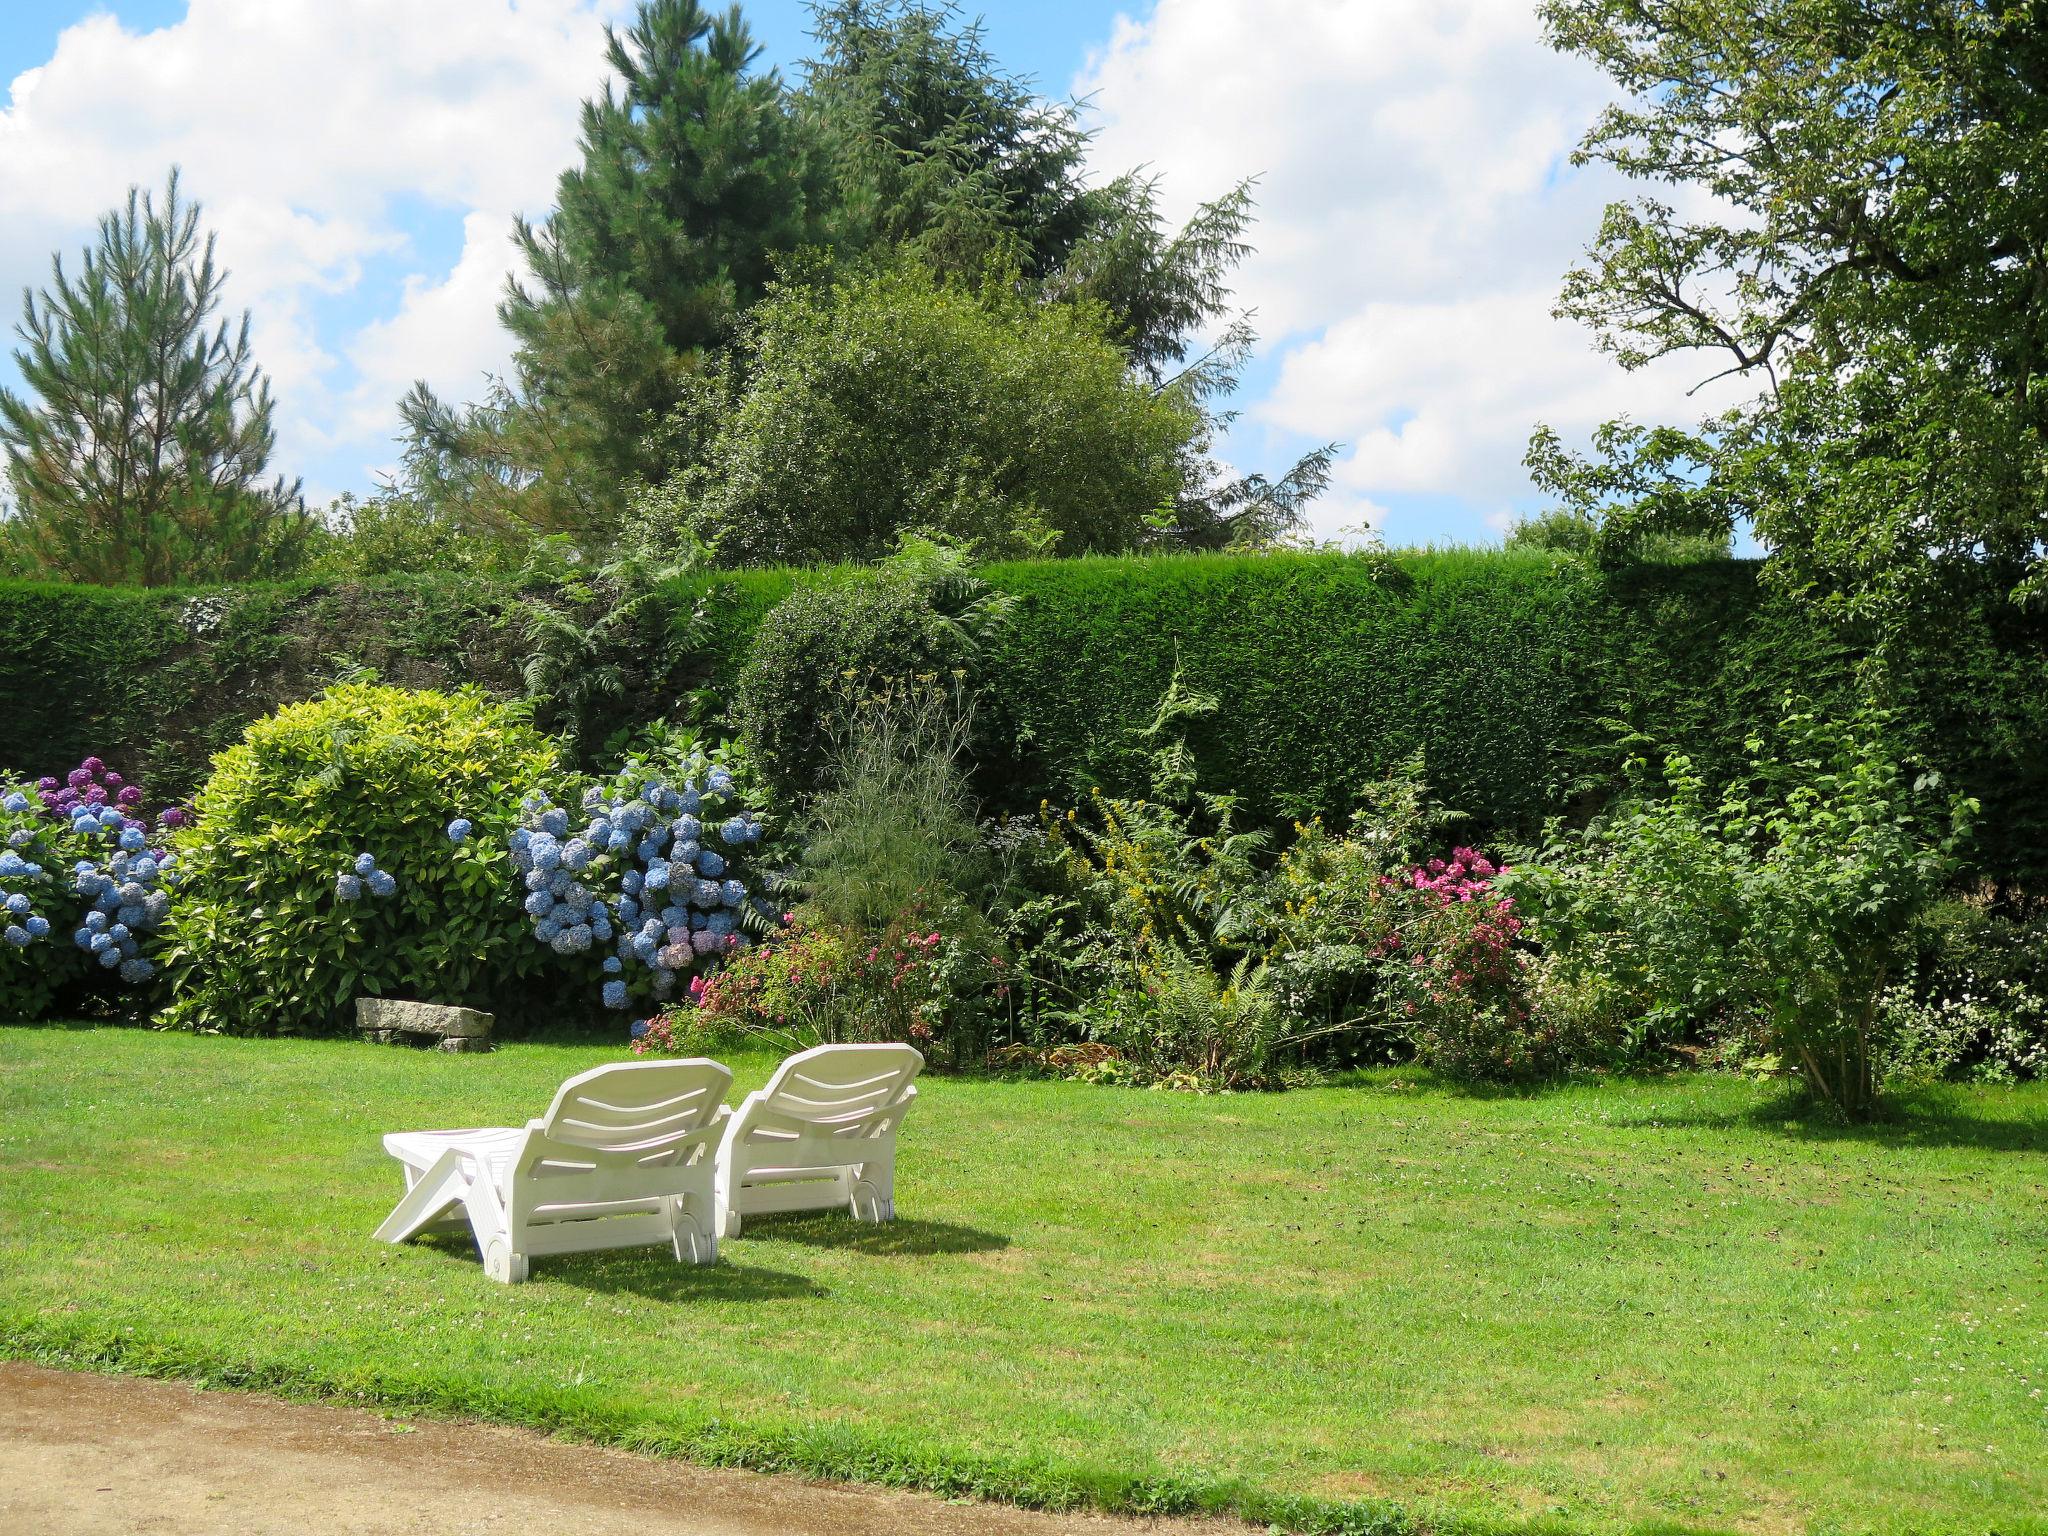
1656 1306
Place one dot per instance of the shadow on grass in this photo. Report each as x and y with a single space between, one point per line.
651 1272
903 1237
1921 1117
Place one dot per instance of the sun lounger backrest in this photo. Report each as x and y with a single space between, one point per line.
842 1087
637 1110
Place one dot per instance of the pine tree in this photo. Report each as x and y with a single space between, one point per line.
694 177
142 460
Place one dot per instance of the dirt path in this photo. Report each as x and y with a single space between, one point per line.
86 1454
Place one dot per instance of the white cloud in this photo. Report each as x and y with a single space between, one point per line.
319 136
1417 212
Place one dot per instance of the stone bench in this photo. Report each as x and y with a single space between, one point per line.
391 1021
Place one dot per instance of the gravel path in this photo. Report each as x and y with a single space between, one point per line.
91 1454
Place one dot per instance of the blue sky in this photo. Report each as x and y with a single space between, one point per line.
362 162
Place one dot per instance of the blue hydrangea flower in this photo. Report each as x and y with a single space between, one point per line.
613 965
688 829
133 840
459 829
82 938
96 921
539 904
687 850
555 822
576 854
157 908
615 994
365 863
691 801
348 887
109 957
657 877
382 884
705 893
732 893
522 839
18 904
17 935
136 970
709 863
131 915
16 801
719 782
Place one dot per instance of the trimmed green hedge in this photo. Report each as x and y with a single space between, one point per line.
1518 676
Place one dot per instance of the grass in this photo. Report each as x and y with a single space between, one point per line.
1666 1306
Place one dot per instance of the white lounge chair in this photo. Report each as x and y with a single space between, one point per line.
623 1157
821 1134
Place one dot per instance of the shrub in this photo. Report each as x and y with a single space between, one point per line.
654 864
1786 909
827 646
885 403
85 886
807 986
269 936
1455 975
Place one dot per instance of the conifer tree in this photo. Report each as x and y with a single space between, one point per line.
140 458
694 176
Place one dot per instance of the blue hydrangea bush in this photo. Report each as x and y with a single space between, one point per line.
356 845
85 889
649 874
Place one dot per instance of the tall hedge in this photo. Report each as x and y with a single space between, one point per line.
1522 678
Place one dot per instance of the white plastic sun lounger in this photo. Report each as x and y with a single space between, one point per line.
821 1134
623 1157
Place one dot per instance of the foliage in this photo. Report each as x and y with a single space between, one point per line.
1976 1005
399 531
1781 910
895 827
808 985
265 938
142 462
1453 975
694 175
1524 681
85 885
659 866
887 403
828 645
1858 230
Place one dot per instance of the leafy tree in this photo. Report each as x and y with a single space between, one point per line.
1861 228
694 176
874 405
143 459
907 143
